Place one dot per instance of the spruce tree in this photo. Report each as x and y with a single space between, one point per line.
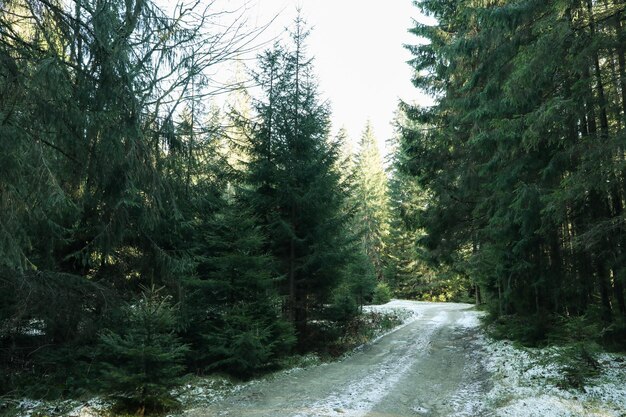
142 363
101 183
411 271
295 189
371 197
232 308
521 155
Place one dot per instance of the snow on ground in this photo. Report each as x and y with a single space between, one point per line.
94 407
405 310
469 399
525 384
469 320
208 390
521 382
357 399
525 381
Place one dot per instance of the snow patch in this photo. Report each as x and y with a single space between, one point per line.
406 311
208 390
421 410
525 384
469 320
440 318
95 407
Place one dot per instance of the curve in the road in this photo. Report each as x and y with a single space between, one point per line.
430 367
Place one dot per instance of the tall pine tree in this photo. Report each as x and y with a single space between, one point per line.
295 188
372 199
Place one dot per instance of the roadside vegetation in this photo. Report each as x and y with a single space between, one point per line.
149 236
520 161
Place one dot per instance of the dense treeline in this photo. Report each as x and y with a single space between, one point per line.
411 269
145 234
522 156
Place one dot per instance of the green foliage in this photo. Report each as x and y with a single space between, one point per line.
116 175
370 195
579 364
142 361
411 271
344 306
531 331
294 188
95 179
249 340
361 329
521 157
614 335
360 277
50 328
231 311
540 330
382 294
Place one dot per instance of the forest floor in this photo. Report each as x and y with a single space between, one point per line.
438 363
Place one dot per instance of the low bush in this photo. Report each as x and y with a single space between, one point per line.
382 293
579 365
142 362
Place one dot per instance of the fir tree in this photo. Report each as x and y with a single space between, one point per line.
295 188
371 195
142 363
233 310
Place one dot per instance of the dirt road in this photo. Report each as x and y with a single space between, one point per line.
429 367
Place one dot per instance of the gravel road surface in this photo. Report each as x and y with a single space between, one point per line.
431 366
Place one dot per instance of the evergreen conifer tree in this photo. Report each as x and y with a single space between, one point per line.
144 361
102 184
521 155
233 310
371 195
295 188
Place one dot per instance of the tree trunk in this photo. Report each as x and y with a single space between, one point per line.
621 59
556 270
604 121
500 302
477 294
618 293
292 279
603 286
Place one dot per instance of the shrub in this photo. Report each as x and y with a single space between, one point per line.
142 361
382 294
579 365
344 306
248 338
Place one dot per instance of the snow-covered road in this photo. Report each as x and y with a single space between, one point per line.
431 366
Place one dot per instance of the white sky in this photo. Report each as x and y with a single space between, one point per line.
358 52
359 56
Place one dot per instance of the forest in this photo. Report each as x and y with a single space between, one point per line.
522 159
148 232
